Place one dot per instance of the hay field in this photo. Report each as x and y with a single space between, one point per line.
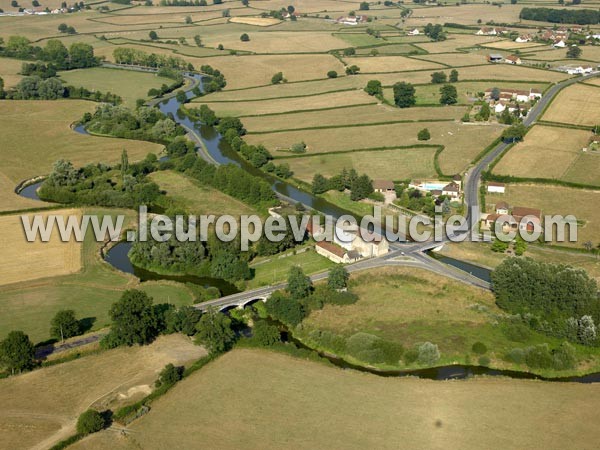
9 201
198 199
546 152
583 204
276 106
358 115
577 105
398 164
463 142
36 134
41 259
299 404
9 71
456 42
593 81
256 21
464 15
376 64
455 60
125 83
509 45
41 407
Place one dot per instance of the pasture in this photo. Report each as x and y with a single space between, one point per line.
42 259
127 84
41 407
257 21
379 64
577 105
310 405
551 152
10 71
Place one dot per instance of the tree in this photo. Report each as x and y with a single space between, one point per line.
265 334
364 6
244 37
285 309
373 87
299 285
453 76
16 352
319 184
332 74
291 9
404 95
181 96
91 421
63 27
514 133
277 78
214 331
588 245
153 35
56 52
438 77
133 320
338 277
124 163
495 93
361 188
573 52
207 116
2 92
169 375
349 51
352 70
188 20
64 325
424 135
82 55
448 95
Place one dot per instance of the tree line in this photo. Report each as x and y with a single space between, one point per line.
136 57
578 16
360 186
79 55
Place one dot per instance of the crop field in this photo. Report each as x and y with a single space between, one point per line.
458 14
377 64
41 407
29 152
42 259
397 164
593 81
462 142
455 42
125 83
277 106
562 146
583 204
452 59
310 405
256 21
197 199
577 105
509 45
356 115
29 306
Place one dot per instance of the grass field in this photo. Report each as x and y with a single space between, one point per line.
358 115
398 164
37 133
558 200
309 405
41 407
42 259
125 83
197 199
457 14
577 105
257 21
9 71
463 142
561 146
378 64
29 306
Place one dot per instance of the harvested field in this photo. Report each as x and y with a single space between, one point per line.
546 152
376 64
257 21
9 71
42 259
577 105
456 42
509 45
41 407
309 405
467 16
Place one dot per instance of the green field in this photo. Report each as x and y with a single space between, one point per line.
260 399
127 84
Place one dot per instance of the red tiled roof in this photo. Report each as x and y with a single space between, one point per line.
332 248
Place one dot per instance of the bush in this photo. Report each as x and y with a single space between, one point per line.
332 74
517 332
484 361
265 334
428 353
169 375
90 421
539 357
244 37
564 357
411 356
516 355
479 348
424 135
363 346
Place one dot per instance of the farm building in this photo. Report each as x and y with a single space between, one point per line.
383 186
495 57
498 188
336 253
513 59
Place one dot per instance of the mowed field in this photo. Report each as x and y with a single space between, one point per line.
41 259
308 405
35 134
9 71
41 407
552 152
197 199
378 64
127 84
462 142
583 204
396 164
578 105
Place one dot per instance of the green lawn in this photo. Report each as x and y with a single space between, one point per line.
128 84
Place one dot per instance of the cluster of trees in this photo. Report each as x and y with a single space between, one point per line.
514 133
542 357
360 186
435 32
441 77
64 28
167 72
214 81
187 2
578 16
133 56
553 298
415 200
374 88
404 93
78 55
36 88
102 185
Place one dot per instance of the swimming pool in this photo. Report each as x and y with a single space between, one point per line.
434 186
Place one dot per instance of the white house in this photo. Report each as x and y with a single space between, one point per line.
559 43
522 96
523 39
496 188
414 32
499 108
580 70
535 94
